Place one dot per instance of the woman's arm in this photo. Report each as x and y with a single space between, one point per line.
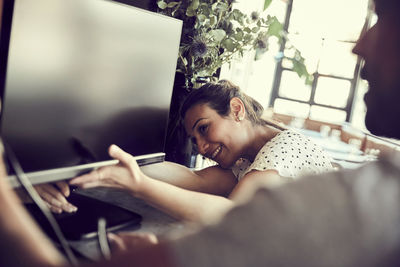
178 202
181 203
212 180
252 181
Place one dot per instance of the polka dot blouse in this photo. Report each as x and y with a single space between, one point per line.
290 153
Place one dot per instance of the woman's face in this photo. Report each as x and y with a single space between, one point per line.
218 138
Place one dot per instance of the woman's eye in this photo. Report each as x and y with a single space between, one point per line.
203 128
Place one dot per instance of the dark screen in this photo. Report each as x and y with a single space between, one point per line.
84 74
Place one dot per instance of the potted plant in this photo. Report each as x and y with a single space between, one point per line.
214 32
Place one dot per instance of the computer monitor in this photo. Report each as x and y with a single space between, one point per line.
80 75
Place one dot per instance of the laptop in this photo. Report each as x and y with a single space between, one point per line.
83 223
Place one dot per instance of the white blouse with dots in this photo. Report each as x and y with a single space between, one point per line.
290 153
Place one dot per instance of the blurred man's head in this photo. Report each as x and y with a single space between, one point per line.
380 48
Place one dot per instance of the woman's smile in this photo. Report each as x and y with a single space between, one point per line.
216 152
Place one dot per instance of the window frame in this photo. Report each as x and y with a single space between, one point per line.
354 81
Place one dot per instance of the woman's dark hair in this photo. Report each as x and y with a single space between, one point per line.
217 95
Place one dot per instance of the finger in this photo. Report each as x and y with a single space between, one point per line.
103 183
64 188
89 177
50 189
53 208
48 198
69 208
56 204
116 243
99 177
117 153
90 185
129 240
138 238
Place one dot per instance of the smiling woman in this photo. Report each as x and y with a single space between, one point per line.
226 126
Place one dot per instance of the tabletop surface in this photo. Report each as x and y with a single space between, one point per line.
346 155
154 221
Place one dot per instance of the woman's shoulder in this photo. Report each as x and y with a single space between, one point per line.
289 133
289 137
240 167
283 139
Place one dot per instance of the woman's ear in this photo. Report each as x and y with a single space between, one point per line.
237 108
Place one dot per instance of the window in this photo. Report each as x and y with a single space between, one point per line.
325 32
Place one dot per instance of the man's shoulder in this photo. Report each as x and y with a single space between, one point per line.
388 166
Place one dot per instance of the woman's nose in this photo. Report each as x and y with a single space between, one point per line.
202 145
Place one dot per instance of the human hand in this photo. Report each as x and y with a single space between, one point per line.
127 241
124 175
54 195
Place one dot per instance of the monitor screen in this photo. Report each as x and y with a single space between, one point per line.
80 75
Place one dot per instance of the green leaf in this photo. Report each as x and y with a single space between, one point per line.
247 29
223 7
203 9
191 10
309 79
237 14
184 61
172 4
229 45
266 4
218 35
300 68
203 5
238 36
201 18
162 5
275 28
174 11
255 29
220 7
195 4
248 38
213 21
